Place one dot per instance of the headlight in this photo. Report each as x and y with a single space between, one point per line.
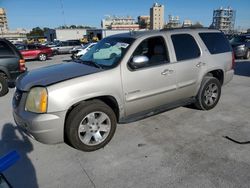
241 46
37 100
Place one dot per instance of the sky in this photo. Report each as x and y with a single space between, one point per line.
49 13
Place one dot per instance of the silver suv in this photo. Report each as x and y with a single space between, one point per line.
123 78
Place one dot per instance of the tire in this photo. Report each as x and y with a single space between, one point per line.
209 93
55 52
247 56
42 57
84 131
3 86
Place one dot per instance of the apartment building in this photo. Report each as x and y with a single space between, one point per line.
224 19
3 21
157 17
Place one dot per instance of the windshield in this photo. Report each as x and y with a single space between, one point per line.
238 39
108 52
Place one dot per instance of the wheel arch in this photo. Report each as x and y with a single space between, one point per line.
5 73
217 73
107 99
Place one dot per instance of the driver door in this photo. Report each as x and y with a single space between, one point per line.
153 84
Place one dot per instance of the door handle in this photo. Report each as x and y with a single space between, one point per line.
200 64
167 72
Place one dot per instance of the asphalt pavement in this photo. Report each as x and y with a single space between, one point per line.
183 147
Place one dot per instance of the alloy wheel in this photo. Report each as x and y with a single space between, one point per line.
211 94
94 128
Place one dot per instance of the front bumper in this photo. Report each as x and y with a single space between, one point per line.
45 128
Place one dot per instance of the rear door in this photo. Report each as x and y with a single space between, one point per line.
189 64
9 57
29 51
65 47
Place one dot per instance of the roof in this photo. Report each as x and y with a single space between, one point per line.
138 34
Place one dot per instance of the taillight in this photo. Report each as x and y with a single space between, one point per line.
22 65
233 60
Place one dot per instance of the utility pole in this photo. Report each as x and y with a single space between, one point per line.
63 14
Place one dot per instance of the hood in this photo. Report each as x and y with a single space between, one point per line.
237 43
53 74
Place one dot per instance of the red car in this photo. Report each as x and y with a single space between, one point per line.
32 51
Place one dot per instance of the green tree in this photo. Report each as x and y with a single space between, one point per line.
36 32
72 27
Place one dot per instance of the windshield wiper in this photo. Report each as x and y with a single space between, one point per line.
91 63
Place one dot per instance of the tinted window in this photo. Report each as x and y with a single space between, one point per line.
21 47
74 43
215 42
64 44
185 47
5 50
32 47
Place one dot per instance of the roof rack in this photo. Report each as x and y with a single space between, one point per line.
180 28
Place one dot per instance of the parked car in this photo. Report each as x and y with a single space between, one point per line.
32 51
65 47
12 65
6 162
140 74
77 53
241 46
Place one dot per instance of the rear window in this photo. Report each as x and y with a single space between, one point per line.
216 42
185 47
74 43
5 50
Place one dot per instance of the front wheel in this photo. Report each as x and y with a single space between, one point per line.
90 125
42 57
209 93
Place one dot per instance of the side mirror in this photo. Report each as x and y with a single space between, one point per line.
139 61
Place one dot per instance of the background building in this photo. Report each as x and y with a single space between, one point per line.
102 33
119 23
224 19
65 34
3 21
144 22
157 17
187 23
173 22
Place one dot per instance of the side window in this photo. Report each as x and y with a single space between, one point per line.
5 50
21 47
31 47
185 47
216 42
154 49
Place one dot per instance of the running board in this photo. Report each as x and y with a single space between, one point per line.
155 111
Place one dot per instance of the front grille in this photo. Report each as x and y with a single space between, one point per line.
17 98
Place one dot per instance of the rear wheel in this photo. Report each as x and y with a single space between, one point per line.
209 93
42 57
3 85
90 125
